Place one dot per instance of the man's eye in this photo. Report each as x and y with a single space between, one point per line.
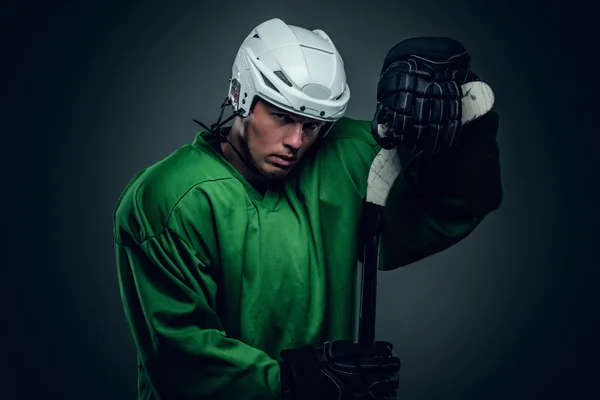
287 119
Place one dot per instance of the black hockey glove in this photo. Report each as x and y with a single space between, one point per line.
419 95
340 370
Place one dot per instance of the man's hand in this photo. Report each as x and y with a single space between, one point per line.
341 370
419 95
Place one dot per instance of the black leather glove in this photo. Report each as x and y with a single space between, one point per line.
340 370
419 95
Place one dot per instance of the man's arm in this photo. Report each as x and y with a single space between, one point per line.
436 203
169 293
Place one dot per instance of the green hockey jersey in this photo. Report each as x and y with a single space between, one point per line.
216 279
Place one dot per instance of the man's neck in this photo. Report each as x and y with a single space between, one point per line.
258 182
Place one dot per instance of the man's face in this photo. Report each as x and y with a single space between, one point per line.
277 139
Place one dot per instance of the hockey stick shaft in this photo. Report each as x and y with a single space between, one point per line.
368 305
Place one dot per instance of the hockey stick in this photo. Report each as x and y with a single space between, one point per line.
385 168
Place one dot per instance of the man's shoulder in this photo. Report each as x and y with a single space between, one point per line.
144 206
344 156
352 128
348 138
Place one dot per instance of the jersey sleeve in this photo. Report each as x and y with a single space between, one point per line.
435 206
170 293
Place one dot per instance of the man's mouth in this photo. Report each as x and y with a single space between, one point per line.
283 160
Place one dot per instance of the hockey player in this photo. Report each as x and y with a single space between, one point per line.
237 253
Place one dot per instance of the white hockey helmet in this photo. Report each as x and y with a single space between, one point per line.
293 68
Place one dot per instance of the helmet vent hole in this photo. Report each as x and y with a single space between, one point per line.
269 83
281 76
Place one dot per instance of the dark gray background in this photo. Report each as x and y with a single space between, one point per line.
100 90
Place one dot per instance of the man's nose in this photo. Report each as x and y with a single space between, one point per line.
295 136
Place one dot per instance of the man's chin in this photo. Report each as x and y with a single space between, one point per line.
274 172
275 175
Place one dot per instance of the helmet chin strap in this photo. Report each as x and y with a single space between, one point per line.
215 130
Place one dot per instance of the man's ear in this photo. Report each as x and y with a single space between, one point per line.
238 125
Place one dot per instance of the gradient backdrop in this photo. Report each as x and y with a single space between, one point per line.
103 89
